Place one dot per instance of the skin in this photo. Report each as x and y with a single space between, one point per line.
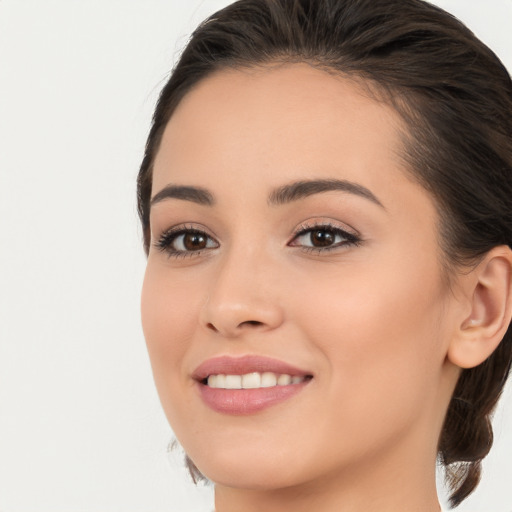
373 321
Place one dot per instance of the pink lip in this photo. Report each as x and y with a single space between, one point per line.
246 401
246 364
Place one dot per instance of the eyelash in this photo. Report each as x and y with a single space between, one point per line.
349 239
169 237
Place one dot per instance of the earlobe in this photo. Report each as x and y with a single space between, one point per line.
490 294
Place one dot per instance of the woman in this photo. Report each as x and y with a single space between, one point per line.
325 205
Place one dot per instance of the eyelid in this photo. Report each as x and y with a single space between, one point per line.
351 236
164 241
184 226
311 224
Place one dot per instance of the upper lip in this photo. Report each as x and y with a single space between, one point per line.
228 365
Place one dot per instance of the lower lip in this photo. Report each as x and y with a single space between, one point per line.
247 401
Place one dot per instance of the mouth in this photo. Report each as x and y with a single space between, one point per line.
254 380
246 385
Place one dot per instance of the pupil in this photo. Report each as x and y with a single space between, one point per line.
194 241
322 238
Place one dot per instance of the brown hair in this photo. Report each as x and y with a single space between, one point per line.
456 99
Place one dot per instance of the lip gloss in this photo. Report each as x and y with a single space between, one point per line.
248 401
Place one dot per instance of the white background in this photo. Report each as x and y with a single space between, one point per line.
80 424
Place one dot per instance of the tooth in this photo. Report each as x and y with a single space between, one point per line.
268 380
233 382
284 380
251 380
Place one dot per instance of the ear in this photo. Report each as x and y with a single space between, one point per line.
488 290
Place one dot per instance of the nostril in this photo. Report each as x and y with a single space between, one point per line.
236 328
251 322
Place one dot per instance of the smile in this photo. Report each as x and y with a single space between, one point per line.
252 380
246 385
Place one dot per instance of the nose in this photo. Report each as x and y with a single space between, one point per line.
243 297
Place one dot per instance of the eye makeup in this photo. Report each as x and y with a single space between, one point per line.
319 237
185 241
323 237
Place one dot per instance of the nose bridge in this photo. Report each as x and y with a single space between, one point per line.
242 294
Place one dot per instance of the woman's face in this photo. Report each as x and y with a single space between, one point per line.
287 239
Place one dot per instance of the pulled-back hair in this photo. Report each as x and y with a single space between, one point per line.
455 97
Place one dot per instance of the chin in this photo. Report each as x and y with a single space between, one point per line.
256 469
251 477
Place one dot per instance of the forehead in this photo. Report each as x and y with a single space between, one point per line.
290 117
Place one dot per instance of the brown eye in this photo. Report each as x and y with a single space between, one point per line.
322 238
194 241
185 241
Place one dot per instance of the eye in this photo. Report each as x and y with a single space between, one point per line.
185 242
323 237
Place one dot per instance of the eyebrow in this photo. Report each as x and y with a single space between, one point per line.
301 189
279 196
186 193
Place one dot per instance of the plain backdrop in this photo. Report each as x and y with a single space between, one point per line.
81 427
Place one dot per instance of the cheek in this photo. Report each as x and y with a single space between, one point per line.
376 331
371 309
169 316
